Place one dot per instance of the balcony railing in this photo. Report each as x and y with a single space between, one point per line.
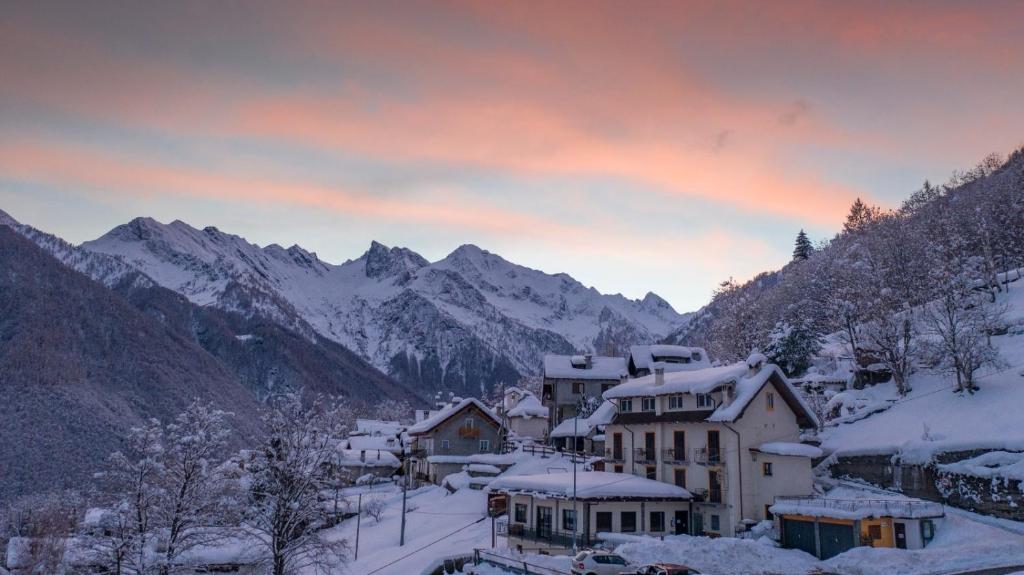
641 455
705 456
469 432
702 495
548 536
613 455
673 455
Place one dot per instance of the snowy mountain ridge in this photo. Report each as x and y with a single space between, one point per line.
469 320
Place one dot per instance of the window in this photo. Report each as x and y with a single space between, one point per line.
680 478
675 401
927 530
618 469
577 387
602 559
657 520
875 532
520 510
705 400
768 513
647 404
627 519
470 423
715 523
568 519
485 445
652 472
770 399
766 467
445 445
626 405
604 521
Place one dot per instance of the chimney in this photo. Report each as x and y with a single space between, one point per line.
589 359
623 379
659 374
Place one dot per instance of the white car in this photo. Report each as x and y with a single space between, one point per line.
598 563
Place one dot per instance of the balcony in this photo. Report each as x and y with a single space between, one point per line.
702 495
547 536
467 432
673 455
613 455
641 455
705 456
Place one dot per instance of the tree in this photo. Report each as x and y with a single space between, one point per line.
860 215
132 491
194 511
803 248
288 470
44 521
393 410
960 319
792 347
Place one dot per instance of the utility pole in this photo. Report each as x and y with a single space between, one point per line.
575 440
359 521
405 487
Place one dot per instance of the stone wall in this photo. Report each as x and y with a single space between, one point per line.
997 497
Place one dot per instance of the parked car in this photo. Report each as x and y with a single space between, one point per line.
663 569
592 562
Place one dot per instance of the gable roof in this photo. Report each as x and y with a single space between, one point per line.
445 414
590 486
747 381
528 406
574 367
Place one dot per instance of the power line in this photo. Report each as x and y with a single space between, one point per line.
434 542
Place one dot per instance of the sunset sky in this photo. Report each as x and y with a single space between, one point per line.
636 145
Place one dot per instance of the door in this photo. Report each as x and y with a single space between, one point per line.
648 446
714 486
679 446
682 523
835 539
798 535
617 446
714 447
901 535
698 524
544 522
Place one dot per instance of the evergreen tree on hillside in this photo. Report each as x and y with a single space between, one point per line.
792 347
860 215
803 247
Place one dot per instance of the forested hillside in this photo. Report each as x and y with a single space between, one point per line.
945 246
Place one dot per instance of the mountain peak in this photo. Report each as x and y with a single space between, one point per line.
655 301
382 261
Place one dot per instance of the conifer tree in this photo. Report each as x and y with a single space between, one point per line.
803 248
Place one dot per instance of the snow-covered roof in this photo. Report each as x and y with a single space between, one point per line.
747 377
1001 464
358 458
788 448
378 427
528 406
574 367
569 428
590 485
441 416
374 442
644 357
857 508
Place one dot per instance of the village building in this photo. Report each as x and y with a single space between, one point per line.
584 434
542 513
351 466
524 415
673 357
730 435
443 443
826 527
570 380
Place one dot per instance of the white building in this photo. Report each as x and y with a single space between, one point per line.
673 357
730 435
524 414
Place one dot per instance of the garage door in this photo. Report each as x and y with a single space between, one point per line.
835 539
798 535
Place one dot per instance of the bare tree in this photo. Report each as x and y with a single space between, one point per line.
40 526
290 467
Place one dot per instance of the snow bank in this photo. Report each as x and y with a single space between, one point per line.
1001 464
719 556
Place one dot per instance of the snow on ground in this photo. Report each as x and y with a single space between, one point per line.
432 531
933 418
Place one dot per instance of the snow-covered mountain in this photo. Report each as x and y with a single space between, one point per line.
466 322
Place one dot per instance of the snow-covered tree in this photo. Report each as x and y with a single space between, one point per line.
393 410
792 347
289 468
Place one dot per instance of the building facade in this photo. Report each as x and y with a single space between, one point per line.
729 435
570 380
443 443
